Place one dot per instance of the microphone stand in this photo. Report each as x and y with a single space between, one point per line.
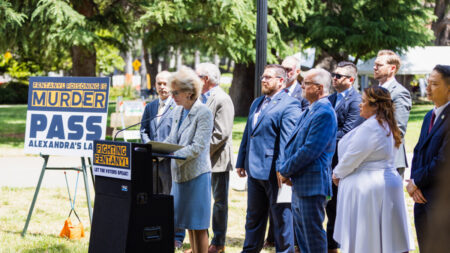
139 123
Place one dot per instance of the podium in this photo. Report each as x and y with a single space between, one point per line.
128 216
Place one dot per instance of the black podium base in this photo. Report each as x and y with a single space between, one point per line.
120 226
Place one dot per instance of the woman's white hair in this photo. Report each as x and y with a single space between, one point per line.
186 80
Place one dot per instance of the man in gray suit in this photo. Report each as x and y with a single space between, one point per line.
386 66
222 109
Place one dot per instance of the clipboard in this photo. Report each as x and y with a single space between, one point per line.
164 148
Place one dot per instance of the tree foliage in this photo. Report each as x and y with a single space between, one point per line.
51 31
362 27
225 27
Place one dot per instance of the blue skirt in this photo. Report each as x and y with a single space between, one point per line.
192 203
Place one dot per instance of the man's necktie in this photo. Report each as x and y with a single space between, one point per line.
261 108
338 100
204 99
433 117
160 111
265 103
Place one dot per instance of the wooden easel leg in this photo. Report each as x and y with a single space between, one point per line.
86 188
36 192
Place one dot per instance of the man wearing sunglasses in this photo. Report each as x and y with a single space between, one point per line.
345 102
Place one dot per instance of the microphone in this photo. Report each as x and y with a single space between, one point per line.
139 123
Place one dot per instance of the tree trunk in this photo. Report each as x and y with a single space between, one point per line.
196 58
149 68
441 26
242 88
166 62
179 58
83 61
153 70
328 61
216 60
325 61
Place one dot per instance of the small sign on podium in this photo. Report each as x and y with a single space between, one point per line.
112 159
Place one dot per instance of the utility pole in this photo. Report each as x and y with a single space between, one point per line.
261 43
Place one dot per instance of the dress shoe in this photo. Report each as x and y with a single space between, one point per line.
216 249
333 251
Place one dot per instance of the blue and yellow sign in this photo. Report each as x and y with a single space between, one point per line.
65 114
112 159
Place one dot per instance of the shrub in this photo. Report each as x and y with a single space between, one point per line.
13 93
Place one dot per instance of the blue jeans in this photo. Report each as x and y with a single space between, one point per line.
220 182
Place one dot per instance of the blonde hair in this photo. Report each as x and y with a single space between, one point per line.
186 80
391 58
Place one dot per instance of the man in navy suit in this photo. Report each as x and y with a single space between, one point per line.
272 118
307 163
293 87
346 102
158 128
431 152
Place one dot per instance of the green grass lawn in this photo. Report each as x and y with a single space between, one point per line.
414 125
52 208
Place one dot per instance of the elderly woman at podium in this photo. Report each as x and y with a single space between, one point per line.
192 126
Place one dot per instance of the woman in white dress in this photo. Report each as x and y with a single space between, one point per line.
371 212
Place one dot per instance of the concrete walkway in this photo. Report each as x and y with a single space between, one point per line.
23 170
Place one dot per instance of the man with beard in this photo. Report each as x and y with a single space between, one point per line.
345 102
271 119
386 66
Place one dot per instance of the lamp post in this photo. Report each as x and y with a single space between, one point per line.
261 43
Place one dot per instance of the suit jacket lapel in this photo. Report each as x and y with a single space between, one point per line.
153 113
332 99
170 106
257 103
297 91
211 97
187 121
341 104
439 121
304 118
274 102
393 85
301 121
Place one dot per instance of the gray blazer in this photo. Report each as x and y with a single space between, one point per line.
222 109
402 103
194 134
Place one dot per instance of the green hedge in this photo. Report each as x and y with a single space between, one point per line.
13 93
